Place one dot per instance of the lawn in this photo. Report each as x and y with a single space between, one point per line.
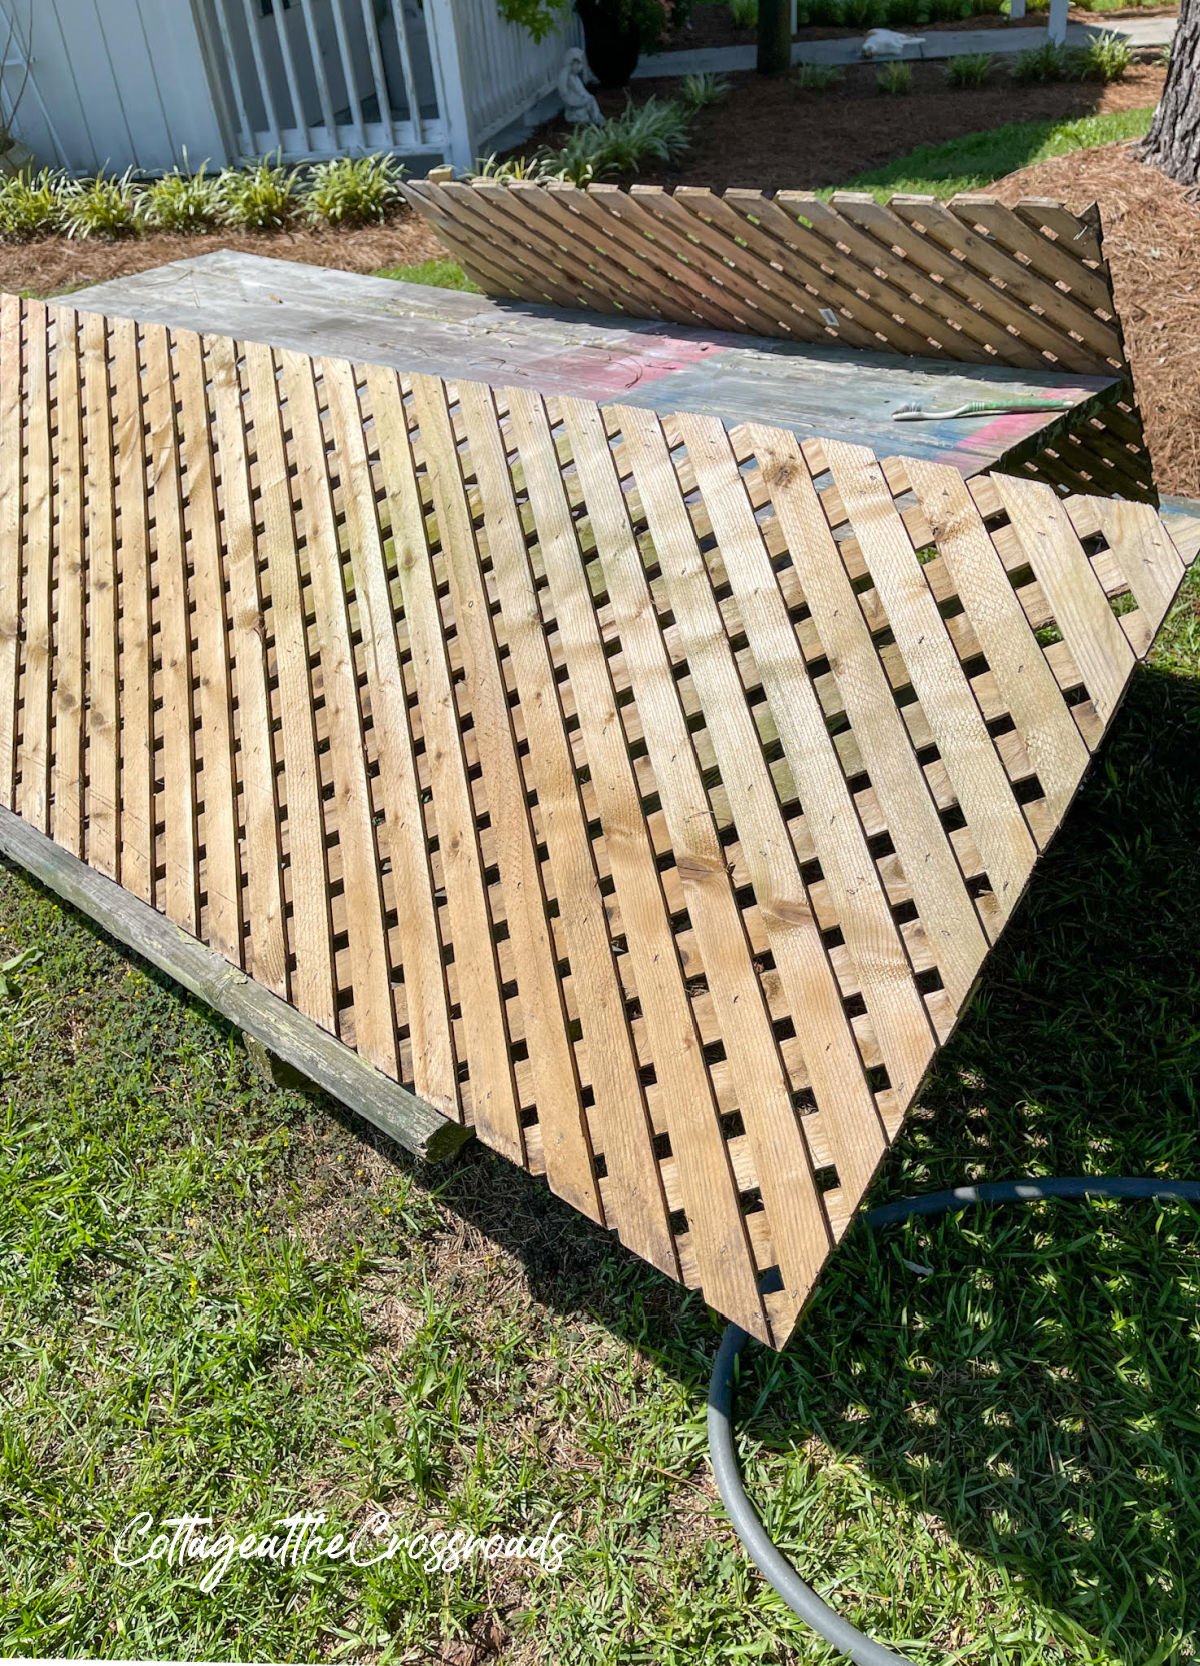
224 1298
220 1298
973 163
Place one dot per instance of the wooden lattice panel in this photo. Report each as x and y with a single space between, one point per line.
970 279
644 793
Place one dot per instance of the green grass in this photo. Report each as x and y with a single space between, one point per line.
440 274
980 159
216 1297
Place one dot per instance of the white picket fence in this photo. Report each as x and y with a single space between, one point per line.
134 83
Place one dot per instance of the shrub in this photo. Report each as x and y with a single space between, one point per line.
1049 62
539 164
31 205
903 14
699 91
816 78
654 131
949 11
100 207
181 201
894 79
972 70
744 13
1105 59
863 14
989 8
353 190
259 198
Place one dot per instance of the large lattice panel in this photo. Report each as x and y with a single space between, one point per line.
644 793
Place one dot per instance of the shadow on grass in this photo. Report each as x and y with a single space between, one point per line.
1039 1393
1035 1398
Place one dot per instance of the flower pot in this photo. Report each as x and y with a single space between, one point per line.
611 42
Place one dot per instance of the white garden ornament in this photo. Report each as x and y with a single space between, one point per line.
886 43
579 105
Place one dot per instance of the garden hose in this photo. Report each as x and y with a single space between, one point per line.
775 1568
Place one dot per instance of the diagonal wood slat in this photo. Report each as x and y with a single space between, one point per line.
641 791
970 279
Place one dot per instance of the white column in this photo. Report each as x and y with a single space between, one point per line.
1058 20
451 79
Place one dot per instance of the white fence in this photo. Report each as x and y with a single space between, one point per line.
133 83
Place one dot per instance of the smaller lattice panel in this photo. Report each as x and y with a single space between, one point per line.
643 792
970 279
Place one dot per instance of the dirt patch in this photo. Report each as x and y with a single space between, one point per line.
1152 240
769 136
51 265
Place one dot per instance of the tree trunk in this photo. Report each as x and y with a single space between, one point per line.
775 36
1173 142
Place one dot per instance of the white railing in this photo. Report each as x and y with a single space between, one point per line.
324 77
505 74
312 78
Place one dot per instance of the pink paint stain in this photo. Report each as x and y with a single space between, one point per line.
601 372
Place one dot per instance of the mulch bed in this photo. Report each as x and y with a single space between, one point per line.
1152 240
51 265
768 135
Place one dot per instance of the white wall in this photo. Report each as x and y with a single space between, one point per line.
113 84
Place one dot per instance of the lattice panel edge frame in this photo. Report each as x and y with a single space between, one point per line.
645 793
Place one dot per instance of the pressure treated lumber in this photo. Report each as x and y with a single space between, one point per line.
641 789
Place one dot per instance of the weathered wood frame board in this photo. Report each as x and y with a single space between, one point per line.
809 389
643 792
971 279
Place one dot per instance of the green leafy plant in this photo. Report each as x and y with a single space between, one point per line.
816 78
181 201
1048 62
863 14
744 13
538 17
949 11
27 957
353 190
100 207
894 79
902 14
700 91
538 165
971 70
656 130
31 205
1106 59
260 198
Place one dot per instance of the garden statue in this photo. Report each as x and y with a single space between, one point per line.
886 43
579 105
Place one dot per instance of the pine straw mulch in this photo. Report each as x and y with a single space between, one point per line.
1152 240
54 265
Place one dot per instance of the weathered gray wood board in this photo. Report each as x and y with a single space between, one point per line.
318 1057
809 389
